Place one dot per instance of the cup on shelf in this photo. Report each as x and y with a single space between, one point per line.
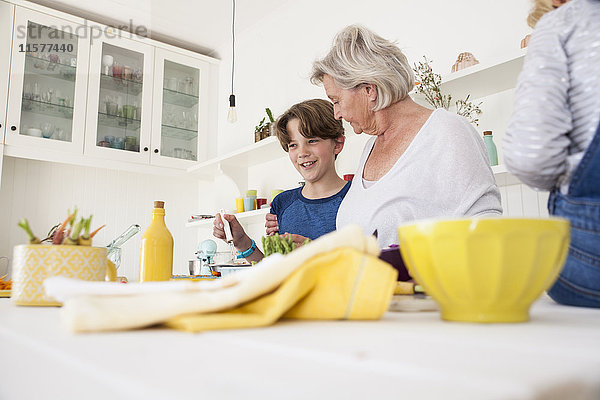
112 108
260 202
171 83
239 205
178 152
130 143
129 111
181 86
110 139
127 72
249 203
119 143
117 70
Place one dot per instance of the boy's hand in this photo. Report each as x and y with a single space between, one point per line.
298 239
240 239
271 224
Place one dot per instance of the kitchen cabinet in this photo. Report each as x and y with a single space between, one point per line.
80 101
119 102
48 81
180 104
7 12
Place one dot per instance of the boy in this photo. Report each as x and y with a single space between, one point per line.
313 138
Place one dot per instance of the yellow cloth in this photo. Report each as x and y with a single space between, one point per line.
340 284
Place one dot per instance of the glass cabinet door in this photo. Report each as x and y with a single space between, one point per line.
7 12
119 99
48 82
178 127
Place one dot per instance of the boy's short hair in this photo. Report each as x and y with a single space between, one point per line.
316 120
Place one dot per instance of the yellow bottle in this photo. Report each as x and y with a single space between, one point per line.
156 253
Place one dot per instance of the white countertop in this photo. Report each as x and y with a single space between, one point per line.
404 356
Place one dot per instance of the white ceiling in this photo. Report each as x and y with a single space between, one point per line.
202 26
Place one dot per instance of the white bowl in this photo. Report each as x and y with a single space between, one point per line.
34 132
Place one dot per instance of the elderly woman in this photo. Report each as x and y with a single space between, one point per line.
418 163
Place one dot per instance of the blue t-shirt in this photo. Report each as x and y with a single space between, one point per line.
310 218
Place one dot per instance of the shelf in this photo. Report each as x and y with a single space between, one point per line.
484 79
178 133
41 67
266 150
121 85
480 80
50 109
179 99
248 217
114 121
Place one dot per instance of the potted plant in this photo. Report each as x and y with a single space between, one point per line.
263 129
429 83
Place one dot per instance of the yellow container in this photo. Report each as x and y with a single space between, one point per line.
239 205
485 270
156 253
32 264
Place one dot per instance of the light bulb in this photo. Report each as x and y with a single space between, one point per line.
232 114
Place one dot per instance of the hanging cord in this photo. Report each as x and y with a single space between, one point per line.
232 45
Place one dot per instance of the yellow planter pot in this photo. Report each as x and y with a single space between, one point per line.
32 264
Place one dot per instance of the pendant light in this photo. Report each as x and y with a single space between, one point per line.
232 114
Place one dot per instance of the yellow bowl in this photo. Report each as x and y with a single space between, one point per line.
488 269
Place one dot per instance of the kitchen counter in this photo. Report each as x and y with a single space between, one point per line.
404 355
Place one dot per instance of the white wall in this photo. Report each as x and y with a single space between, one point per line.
42 192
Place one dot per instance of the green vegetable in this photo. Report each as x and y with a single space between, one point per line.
73 237
25 225
279 244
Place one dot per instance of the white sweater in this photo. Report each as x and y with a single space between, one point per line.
444 172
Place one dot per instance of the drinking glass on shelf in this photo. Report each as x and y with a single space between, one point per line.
107 64
47 130
117 70
181 86
127 72
189 85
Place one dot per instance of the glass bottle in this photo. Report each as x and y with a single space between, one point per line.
488 139
156 253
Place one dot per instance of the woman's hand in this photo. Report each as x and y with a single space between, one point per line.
271 224
240 239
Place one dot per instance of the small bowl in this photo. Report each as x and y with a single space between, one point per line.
488 269
35 132
392 256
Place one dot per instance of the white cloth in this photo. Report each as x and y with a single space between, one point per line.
557 100
102 306
444 172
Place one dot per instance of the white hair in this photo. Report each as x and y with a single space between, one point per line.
359 56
